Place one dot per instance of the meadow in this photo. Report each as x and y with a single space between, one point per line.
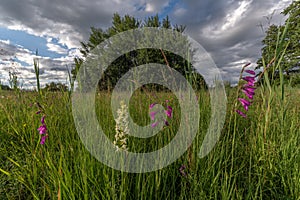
257 157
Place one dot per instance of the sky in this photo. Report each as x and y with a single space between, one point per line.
231 31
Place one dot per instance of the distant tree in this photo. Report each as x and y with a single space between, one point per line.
293 34
4 87
55 87
137 57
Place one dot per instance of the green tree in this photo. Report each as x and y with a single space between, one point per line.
293 34
55 87
137 57
291 43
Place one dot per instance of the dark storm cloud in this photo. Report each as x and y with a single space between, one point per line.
230 30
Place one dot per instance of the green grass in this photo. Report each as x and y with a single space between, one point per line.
255 158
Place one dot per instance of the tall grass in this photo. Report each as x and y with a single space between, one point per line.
261 163
255 158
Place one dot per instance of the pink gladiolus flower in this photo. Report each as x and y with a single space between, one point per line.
248 93
42 129
152 105
241 113
249 88
249 79
249 84
43 139
245 103
252 72
152 115
154 124
169 111
43 120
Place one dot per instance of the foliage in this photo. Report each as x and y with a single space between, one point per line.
137 57
55 87
288 35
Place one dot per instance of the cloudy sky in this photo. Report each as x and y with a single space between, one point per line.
228 29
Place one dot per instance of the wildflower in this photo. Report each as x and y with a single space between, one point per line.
152 115
249 92
42 129
43 120
121 129
249 79
245 103
248 89
43 139
154 124
241 113
152 105
169 111
252 72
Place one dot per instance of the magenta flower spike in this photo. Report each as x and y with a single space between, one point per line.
252 72
249 79
241 113
245 103
249 84
248 94
249 88
169 111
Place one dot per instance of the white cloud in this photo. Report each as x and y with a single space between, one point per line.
5 41
149 7
236 15
56 48
229 22
64 32
50 69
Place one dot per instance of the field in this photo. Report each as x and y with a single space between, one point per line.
255 158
